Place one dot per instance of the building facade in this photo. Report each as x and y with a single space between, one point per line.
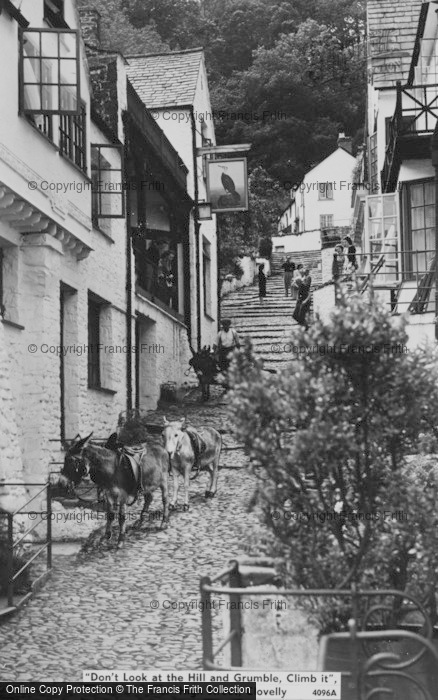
93 321
320 206
174 87
399 225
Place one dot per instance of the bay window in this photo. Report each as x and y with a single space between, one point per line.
49 72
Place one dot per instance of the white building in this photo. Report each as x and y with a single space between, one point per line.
399 227
91 325
174 87
320 207
394 202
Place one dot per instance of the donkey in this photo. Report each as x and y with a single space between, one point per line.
113 475
207 370
189 449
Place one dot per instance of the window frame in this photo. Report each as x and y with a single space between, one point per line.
96 215
325 216
39 83
406 221
323 193
77 126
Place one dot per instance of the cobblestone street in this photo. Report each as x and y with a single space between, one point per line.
111 609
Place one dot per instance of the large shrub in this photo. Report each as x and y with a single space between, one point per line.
328 440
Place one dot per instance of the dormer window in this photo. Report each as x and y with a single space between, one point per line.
49 72
54 14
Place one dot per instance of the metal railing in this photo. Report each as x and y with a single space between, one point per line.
12 543
371 627
405 280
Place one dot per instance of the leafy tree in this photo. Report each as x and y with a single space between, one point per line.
118 34
329 441
298 95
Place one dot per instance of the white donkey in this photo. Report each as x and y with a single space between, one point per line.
187 449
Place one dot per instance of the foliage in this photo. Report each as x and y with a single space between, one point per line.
328 440
23 583
294 100
117 32
265 248
240 232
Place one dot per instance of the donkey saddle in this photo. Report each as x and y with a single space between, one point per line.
198 445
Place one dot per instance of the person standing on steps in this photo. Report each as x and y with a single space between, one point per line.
302 307
351 254
298 275
227 340
262 283
338 262
289 269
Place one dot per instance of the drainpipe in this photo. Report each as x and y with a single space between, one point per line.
197 229
434 149
218 275
128 269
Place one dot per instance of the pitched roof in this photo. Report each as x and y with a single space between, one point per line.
392 29
166 79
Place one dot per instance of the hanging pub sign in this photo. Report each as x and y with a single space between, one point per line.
227 185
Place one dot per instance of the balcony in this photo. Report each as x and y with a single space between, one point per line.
410 129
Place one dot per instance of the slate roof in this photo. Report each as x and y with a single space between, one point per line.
392 29
165 79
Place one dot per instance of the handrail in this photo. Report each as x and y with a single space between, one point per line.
11 545
407 602
30 500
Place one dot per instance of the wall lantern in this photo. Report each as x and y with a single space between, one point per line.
204 211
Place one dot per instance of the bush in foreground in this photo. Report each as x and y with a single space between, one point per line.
328 440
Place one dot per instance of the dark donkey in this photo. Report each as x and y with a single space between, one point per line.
113 475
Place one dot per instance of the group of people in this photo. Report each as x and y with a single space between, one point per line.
161 273
344 259
297 282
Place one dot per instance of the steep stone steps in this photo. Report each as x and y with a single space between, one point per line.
270 324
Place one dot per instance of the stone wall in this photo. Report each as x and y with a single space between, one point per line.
11 466
103 75
231 283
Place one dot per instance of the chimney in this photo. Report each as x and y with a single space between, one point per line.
90 26
345 142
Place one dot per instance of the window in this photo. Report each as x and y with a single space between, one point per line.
43 122
94 310
72 138
49 72
419 224
206 268
326 221
54 13
373 158
108 199
325 190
